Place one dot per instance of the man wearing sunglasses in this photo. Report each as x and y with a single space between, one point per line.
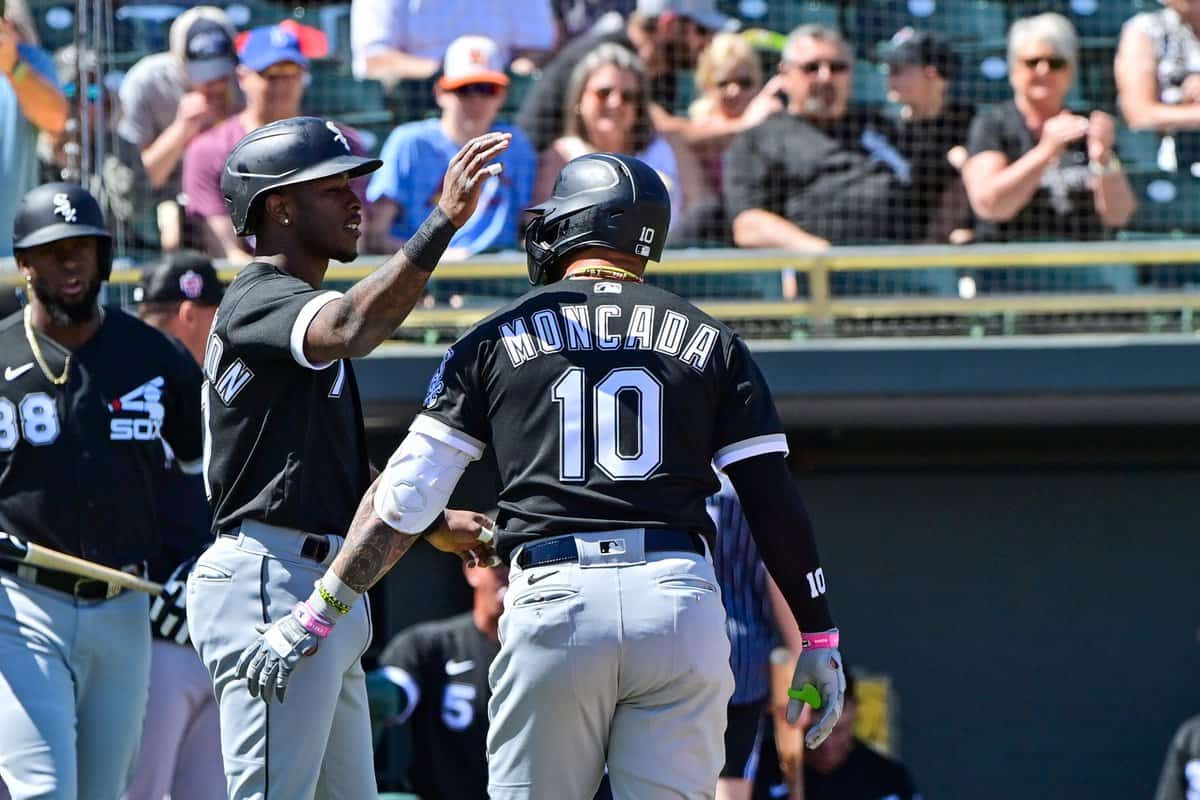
272 74
415 157
823 172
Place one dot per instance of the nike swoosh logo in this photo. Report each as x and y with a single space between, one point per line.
12 373
459 667
535 578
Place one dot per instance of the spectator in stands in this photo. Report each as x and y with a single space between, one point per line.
606 111
415 157
667 35
92 98
169 98
729 82
1158 79
272 75
822 172
30 100
846 768
577 17
932 131
440 669
1036 170
394 40
1180 778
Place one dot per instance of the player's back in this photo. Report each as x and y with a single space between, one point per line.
606 403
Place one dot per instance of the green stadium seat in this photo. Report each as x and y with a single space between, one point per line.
960 21
1168 203
783 16
1138 149
870 83
1091 18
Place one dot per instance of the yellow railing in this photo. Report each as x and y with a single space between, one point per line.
820 307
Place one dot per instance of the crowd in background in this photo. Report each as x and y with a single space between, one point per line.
774 149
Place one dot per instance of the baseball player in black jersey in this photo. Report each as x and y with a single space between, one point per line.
607 402
87 400
286 458
441 669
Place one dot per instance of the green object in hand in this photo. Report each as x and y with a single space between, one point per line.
807 694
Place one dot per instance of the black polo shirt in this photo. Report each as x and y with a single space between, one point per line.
845 181
284 438
79 462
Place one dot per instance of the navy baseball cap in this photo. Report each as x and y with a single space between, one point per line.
180 276
265 47
919 48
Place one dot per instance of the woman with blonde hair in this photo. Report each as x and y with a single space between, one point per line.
731 97
607 109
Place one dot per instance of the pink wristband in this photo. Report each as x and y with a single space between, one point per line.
311 621
816 641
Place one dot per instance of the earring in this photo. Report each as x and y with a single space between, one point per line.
287 221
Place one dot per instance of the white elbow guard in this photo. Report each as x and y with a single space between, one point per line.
417 482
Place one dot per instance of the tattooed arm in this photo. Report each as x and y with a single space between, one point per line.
370 311
372 547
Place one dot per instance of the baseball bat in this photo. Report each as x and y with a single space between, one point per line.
13 548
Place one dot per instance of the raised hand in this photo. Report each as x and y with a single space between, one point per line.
468 170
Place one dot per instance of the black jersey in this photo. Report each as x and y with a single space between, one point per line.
284 440
865 775
79 462
607 404
442 671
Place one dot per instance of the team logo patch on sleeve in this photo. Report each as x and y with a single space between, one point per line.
436 384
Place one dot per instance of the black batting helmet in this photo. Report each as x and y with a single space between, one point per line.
599 200
55 211
284 153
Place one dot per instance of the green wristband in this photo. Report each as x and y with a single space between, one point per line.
807 694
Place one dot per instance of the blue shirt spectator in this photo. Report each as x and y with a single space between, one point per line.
29 99
415 156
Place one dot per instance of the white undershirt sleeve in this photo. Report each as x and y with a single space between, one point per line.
300 328
417 482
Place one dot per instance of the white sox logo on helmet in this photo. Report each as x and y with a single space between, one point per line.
338 136
63 207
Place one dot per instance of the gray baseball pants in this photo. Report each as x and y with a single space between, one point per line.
73 678
619 659
317 744
181 743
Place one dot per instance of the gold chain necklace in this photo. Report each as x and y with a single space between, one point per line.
603 272
37 353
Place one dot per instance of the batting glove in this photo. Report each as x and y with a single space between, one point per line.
268 663
820 666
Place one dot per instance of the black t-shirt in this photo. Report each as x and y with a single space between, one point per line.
1063 206
925 143
541 113
441 669
846 181
79 462
607 404
866 775
284 438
